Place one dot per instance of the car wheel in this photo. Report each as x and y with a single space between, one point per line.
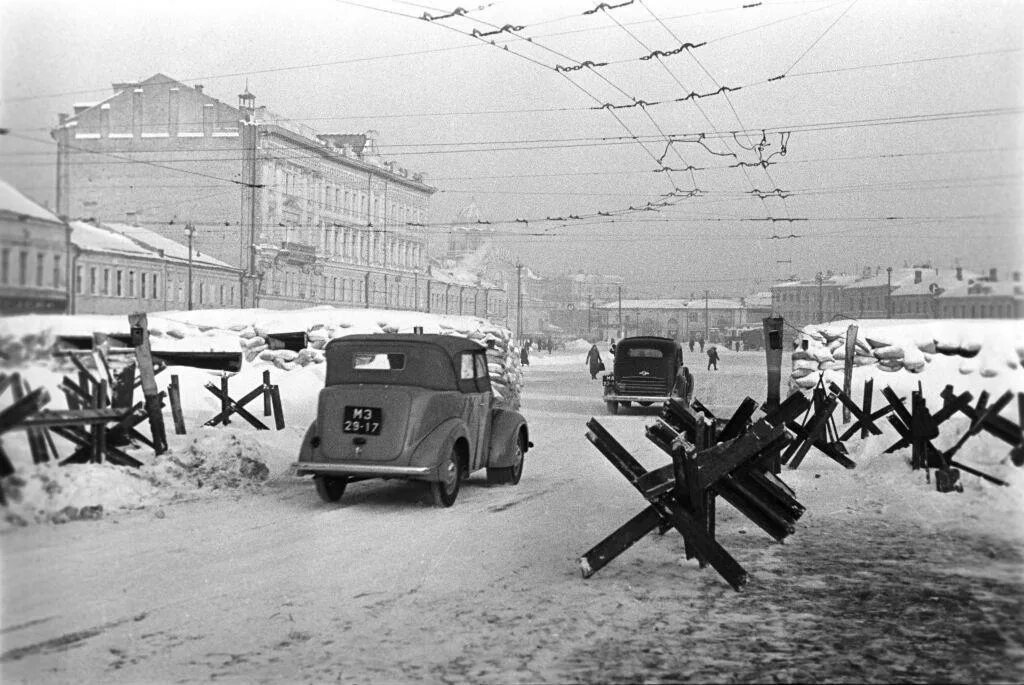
330 489
613 407
446 490
508 474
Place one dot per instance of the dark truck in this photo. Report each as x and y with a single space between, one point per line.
643 371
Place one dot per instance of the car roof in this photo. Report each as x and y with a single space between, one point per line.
646 340
449 343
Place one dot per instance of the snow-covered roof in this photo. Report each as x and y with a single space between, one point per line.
96 239
1012 289
837 279
944 279
172 249
137 241
13 201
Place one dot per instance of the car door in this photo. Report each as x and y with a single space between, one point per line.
483 384
475 405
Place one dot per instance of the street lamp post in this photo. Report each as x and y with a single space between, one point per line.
190 232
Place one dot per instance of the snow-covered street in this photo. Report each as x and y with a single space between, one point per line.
885 579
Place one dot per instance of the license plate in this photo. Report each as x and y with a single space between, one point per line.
362 420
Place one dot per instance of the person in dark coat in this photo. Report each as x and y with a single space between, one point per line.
712 357
594 360
611 347
700 341
524 354
683 385
691 344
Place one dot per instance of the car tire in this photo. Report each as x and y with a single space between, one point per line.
330 489
445 491
613 407
510 475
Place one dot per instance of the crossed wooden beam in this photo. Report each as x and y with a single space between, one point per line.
681 495
918 426
271 404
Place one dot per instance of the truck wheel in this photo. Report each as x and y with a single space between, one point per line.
446 490
330 489
508 474
613 407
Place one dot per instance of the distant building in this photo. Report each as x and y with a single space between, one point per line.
983 299
119 269
34 252
918 299
680 319
801 302
307 217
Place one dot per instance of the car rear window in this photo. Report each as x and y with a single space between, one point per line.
644 352
378 361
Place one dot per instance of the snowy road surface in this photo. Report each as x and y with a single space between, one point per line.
883 580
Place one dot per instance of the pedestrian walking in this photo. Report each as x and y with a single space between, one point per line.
594 361
524 354
712 357
700 341
691 344
611 347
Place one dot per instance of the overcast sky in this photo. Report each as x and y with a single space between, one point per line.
902 120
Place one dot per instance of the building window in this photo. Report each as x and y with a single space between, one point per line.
131 283
79 279
23 268
5 264
142 285
222 293
106 282
119 283
92 280
232 301
40 267
57 271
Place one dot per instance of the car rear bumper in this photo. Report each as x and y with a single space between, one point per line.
303 468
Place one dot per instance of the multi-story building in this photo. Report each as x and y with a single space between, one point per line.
680 319
801 302
34 251
308 218
983 299
119 269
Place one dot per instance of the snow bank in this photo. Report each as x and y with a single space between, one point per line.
208 461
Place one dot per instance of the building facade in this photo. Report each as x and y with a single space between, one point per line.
983 299
34 252
682 320
120 269
308 218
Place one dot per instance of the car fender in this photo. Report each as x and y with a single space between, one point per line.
506 425
307 451
437 445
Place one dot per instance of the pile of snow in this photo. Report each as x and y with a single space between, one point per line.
212 460
985 348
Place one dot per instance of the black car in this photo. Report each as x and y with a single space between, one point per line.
643 371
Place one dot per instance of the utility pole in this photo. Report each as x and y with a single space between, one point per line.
190 231
707 328
519 301
888 293
620 312
590 309
821 298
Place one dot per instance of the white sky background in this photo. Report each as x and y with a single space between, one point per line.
845 179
